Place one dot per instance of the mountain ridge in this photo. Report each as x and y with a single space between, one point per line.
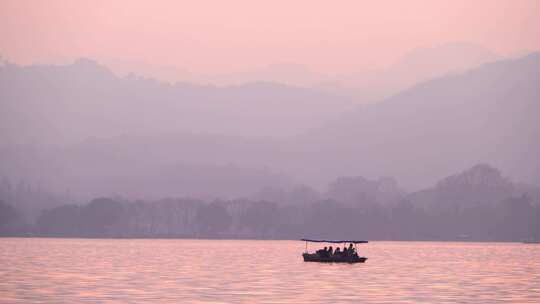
486 114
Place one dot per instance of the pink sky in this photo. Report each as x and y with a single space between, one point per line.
229 36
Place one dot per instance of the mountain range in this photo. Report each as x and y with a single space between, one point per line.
82 128
487 114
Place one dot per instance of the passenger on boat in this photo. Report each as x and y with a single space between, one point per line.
330 251
351 248
337 252
323 252
326 253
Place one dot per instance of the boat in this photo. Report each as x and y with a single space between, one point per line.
323 256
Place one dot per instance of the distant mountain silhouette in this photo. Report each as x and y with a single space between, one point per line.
488 114
58 104
416 66
485 115
364 86
146 168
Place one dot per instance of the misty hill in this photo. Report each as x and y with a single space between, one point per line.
83 173
151 167
488 114
485 115
52 104
364 86
478 203
416 66
360 190
481 184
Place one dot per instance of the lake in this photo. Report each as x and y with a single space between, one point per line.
231 271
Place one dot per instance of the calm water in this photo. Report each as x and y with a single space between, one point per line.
88 270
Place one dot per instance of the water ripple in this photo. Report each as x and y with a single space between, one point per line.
198 271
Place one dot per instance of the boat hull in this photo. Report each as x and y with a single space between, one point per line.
313 257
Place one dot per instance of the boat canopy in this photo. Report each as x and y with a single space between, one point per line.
334 241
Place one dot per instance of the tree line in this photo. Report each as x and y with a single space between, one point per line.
513 219
475 205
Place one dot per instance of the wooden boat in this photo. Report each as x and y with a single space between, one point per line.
331 257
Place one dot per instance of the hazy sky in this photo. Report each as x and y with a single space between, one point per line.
231 36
